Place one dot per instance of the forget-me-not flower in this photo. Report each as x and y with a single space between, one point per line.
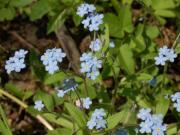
165 54
16 63
51 58
97 119
96 45
38 105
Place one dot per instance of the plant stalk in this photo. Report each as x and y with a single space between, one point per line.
25 106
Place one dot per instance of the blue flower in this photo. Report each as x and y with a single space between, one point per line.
144 114
145 127
176 97
158 129
96 45
165 54
176 100
85 9
86 102
97 120
90 65
91 124
151 123
38 105
61 93
16 63
177 106
157 119
51 58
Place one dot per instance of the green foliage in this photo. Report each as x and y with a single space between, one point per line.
60 131
62 121
116 118
120 24
46 98
58 21
126 59
123 86
5 130
39 9
76 114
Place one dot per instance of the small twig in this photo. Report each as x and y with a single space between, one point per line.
44 122
23 41
69 46
25 106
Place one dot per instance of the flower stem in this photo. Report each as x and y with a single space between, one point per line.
25 106
19 102
175 42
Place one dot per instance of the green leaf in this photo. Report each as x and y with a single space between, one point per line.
144 77
152 31
14 90
3 116
20 3
27 94
114 25
5 130
126 59
120 24
46 98
163 4
115 119
142 102
165 9
7 13
147 2
125 17
36 66
39 9
57 22
57 77
138 44
162 105
106 39
3 3
172 129
58 120
60 131
177 48
165 13
76 114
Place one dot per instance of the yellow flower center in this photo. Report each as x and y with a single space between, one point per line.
158 129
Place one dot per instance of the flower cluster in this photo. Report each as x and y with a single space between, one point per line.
176 99
51 58
151 123
92 19
97 120
90 65
38 105
68 85
96 45
84 103
165 54
16 63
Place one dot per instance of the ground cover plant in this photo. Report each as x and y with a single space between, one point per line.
95 67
